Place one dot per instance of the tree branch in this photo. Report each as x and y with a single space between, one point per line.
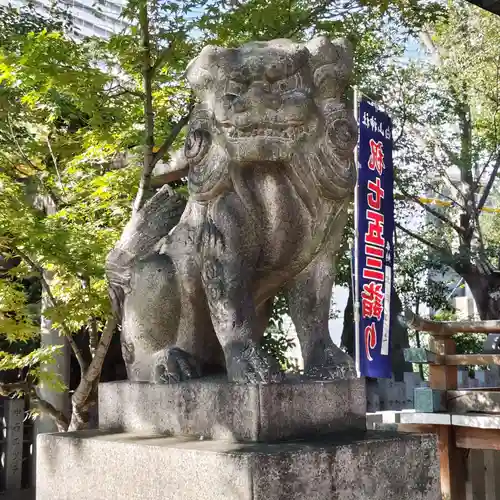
19 148
448 328
39 269
28 162
163 56
124 91
430 187
88 378
146 181
93 336
443 251
144 191
431 47
92 325
26 386
489 185
59 418
8 388
54 160
320 9
485 167
402 131
430 210
176 130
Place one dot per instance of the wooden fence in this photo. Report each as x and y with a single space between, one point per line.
465 421
390 395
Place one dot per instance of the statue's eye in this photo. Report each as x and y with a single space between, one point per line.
343 135
287 84
197 144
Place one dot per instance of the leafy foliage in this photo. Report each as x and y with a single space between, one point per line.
276 341
80 122
447 109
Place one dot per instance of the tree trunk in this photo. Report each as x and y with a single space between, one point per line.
84 400
486 292
348 331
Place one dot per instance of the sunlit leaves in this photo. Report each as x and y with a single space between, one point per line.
34 358
72 131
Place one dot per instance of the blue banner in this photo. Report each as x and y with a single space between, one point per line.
374 245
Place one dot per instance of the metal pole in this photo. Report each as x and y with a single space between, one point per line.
355 291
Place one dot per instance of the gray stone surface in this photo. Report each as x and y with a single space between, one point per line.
214 408
425 418
18 495
271 174
13 443
474 401
477 421
92 465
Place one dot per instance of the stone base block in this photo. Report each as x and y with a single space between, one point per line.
94 465
216 409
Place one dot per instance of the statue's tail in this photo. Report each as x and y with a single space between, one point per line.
140 236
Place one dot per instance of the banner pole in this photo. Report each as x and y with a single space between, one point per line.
355 267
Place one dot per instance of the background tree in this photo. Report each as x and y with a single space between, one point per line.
83 126
447 106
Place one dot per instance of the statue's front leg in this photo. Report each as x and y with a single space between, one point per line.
309 298
228 257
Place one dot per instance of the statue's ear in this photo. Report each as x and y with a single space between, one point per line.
326 51
176 168
331 62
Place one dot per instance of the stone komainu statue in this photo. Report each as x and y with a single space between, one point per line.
269 153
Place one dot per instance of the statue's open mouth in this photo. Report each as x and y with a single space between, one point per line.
287 131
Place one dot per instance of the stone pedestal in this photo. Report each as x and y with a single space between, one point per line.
215 409
211 440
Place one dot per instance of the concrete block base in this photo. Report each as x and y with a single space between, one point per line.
124 466
217 409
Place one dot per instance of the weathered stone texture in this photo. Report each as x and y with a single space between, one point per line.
214 408
270 167
95 465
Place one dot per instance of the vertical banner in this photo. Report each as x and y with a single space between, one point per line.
374 245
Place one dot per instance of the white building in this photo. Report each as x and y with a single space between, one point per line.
100 18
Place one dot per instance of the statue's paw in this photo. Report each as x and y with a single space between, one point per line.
337 372
248 363
174 365
330 364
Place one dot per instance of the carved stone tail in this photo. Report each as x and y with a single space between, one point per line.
139 239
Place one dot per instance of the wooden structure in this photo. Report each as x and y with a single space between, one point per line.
463 420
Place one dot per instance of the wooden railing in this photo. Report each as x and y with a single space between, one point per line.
462 419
